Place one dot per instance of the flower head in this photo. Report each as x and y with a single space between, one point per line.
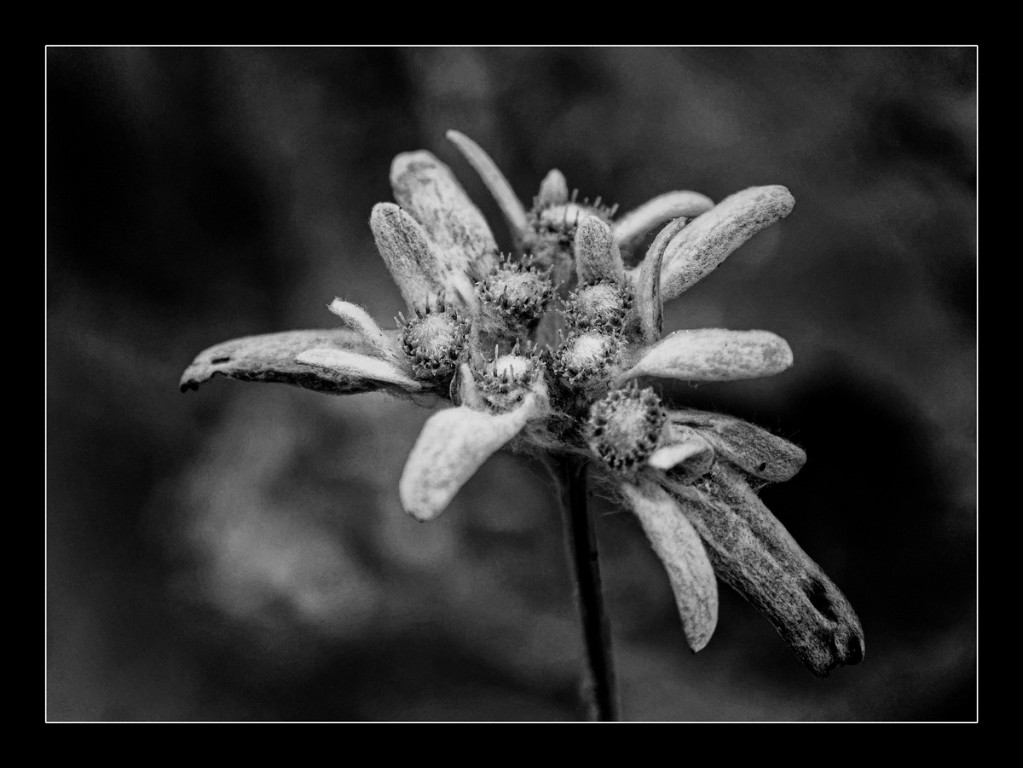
561 374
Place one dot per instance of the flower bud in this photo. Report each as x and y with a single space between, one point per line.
625 427
434 343
516 294
600 306
585 358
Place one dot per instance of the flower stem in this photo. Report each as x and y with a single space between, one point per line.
599 685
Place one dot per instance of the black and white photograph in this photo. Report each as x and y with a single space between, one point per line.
519 384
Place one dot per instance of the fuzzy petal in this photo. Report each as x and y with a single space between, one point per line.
454 443
352 365
749 447
647 282
406 251
752 552
359 319
495 181
678 545
705 243
633 226
553 189
271 358
714 354
688 451
596 254
459 234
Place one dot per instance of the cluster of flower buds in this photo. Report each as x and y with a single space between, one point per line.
543 351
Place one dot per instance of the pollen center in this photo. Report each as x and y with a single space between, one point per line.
602 306
624 427
433 344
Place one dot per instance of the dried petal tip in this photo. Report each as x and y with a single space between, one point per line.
271 358
752 552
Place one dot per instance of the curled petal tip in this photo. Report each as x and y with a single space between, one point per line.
634 225
491 175
714 235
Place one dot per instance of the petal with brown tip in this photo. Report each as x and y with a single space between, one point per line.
272 357
753 553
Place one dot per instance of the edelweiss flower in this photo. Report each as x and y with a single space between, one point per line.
566 383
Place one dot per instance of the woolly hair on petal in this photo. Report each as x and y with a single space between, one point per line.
753 553
507 200
458 233
752 449
405 249
708 241
714 354
634 225
359 319
454 443
678 545
271 358
596 253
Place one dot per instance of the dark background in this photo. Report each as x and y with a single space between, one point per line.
240 553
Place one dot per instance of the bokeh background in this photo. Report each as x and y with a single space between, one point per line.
239 553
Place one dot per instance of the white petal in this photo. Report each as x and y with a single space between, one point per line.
714 354
498 185
358 366
406 251
678 546
459 234
359 319
634 225
705 243
454 443
596 254
688 450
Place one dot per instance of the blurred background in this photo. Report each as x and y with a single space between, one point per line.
239 553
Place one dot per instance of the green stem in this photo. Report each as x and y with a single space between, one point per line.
599 686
